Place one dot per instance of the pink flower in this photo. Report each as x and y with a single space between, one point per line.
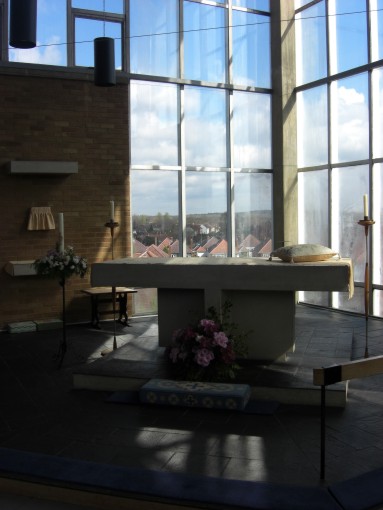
220 339
209 325
203 357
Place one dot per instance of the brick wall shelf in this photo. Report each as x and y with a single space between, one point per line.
42 167
20 268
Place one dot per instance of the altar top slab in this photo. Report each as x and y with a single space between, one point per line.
225 273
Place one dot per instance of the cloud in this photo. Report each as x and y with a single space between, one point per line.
49 54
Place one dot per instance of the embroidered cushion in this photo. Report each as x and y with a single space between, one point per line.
303 253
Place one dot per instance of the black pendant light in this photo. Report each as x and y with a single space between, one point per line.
104 65
22 23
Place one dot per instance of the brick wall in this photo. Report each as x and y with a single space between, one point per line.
48 119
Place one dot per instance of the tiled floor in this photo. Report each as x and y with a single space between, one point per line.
40 412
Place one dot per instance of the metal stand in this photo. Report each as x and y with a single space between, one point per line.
366 223
112 225
63 344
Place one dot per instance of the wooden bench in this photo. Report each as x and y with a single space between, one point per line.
105 295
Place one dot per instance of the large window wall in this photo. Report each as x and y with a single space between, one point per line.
339 49
201 117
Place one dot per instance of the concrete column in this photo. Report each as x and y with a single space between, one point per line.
285 191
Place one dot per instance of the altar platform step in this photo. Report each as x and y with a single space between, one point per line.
287 381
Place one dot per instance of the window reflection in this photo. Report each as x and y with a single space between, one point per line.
313 207
348 34
349 119
376 17
205 127
154 124
377 113
251 49
377 230
51 48
204 42
311 56
206 214
261 5
87 30
251 130
253 215
312 126
154 38
349 184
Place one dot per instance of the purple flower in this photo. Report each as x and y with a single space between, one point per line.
209 326
203 357
220 339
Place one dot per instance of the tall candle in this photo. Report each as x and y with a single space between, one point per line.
61 232
112 210
365 205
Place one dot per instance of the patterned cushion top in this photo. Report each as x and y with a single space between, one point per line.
303 253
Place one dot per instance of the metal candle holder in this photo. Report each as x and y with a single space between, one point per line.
366 223
112 225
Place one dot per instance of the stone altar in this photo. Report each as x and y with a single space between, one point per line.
262 292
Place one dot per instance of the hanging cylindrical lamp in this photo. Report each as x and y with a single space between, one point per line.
104 65
22 23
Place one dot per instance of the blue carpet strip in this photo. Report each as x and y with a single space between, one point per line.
362 493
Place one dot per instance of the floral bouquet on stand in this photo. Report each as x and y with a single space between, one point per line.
209 350
61 264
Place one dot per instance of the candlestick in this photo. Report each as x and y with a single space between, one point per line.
366 223
365 206
112 210
61 232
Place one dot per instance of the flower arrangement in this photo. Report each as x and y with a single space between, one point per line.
61 264
208 351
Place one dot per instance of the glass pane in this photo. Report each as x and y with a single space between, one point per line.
154 207
348 34
315 298
377 296
157 53
251 49
154 124
313 201
206 213
355 304
311 55
376 231
312 126
377 113
86 30
205 127
51 41
376 8
251 130
349 184
116 6
349 119
253 215
204 42
301 3
260 5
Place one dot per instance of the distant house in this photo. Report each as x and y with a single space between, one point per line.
203 250
219 250
266 249
138 248
248 246
153 251
204 229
